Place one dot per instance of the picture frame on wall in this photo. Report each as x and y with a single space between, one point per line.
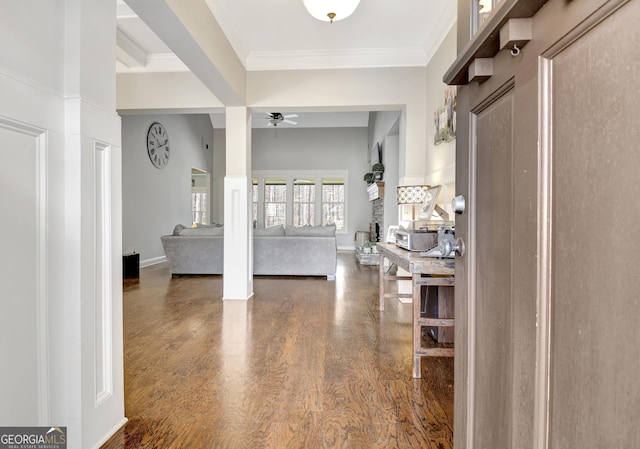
444 118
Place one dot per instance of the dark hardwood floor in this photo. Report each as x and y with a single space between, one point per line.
306 363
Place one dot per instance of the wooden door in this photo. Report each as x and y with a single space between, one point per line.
491 308
594 244
548 292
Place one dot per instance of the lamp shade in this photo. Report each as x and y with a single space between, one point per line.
412 194
331 10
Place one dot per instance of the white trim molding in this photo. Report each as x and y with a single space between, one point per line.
41 257
103 337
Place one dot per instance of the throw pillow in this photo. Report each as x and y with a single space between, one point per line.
178 229
213 230
310 231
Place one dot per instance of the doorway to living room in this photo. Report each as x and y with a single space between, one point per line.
200 196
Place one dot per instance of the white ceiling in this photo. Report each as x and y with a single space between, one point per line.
281 35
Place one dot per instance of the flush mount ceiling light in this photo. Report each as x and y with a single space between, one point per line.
331 10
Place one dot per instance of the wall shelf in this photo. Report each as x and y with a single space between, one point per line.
486 42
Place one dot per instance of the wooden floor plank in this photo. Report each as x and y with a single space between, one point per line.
306 363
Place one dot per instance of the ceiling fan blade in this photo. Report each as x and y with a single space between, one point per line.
290 122
270 124
290 116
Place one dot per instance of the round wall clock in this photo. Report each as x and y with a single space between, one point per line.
158 145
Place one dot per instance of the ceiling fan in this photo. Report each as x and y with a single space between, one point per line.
275 118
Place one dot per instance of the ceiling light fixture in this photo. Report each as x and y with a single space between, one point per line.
331 10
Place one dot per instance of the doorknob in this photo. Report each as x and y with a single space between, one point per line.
446 247
458 204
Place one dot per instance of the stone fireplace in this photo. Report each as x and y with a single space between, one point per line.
377 220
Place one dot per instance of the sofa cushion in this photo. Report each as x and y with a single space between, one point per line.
273 231
310 231
208 230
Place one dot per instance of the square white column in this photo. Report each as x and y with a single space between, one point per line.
238 235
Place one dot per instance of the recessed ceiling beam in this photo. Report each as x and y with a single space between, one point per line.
128 51
193 34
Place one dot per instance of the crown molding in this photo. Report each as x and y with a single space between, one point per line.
337 59
445 23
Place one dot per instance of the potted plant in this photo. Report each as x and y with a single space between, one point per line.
368 178
378 170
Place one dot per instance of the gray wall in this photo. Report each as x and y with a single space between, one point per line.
383 129
307 149
153 200
320 149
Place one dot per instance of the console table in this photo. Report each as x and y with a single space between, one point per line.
425 271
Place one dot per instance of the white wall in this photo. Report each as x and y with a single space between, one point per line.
391 89
320 149
155 200
440 159
60 137
138 93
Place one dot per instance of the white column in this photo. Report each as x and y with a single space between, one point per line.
238 241
94 396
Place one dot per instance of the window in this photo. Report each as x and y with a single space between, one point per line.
200 182
481 11
333 207
254 196
304 202
199 208
300 198
275 202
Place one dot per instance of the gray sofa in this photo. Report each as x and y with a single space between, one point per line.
294 251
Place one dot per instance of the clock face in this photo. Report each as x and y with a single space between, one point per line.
158 145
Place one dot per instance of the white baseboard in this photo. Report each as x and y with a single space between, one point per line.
154 261
111 433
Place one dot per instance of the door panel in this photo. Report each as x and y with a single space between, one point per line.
19 277
492 302
595 296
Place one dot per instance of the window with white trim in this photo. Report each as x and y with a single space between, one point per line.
304 202
199 213
275 201
300 198
333 202
254 201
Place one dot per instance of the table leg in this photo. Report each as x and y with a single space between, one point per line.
381 281
417 329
